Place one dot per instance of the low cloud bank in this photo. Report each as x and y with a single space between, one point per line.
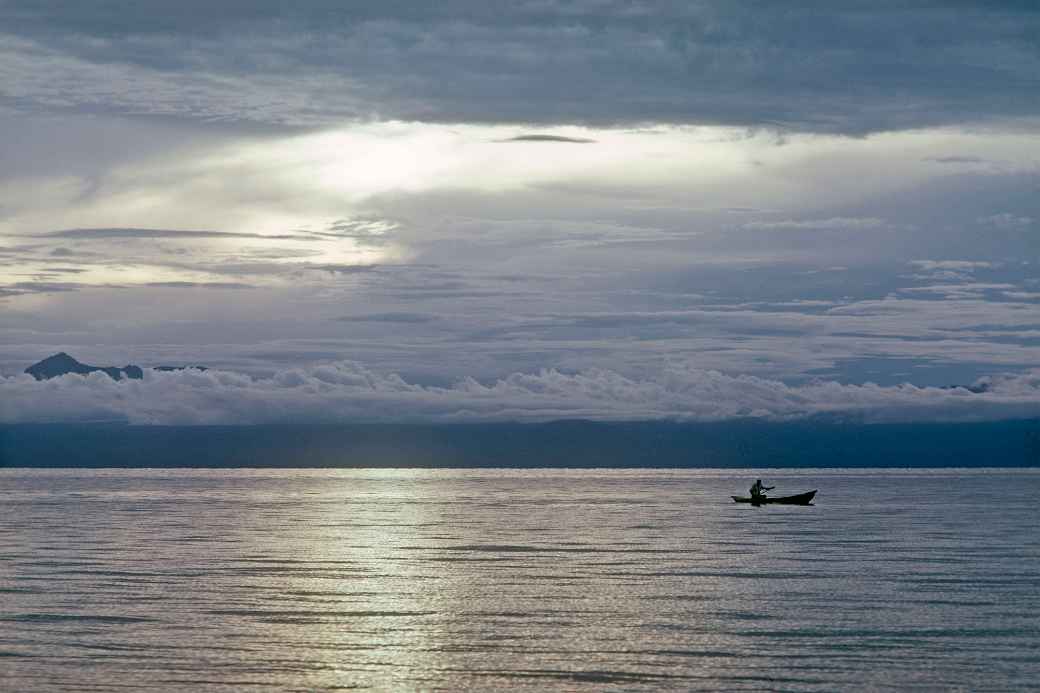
349 392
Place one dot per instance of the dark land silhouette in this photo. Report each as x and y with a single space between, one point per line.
62 364
578 444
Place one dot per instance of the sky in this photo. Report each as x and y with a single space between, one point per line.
383 211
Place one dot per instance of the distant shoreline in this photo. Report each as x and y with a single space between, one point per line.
559 444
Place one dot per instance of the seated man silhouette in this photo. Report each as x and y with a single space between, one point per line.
757 490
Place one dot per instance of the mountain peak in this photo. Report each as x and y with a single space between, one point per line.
61 364
60 358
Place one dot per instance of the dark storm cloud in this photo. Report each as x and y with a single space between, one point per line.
850 67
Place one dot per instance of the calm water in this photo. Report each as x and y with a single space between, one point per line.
539 580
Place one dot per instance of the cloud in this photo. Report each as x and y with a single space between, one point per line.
349 392
611 250
1006 221
956 160
1023 295
65 270
959 265
968 291
407 318
548 138
363 231
776 321
832 67
199 285
337 268
130 233
38 287
832 224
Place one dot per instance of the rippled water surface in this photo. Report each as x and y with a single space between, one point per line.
540 580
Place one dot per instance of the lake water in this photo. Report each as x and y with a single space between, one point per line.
538 580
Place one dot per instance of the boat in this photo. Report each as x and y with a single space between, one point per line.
800 499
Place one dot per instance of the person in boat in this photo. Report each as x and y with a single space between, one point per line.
757 489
